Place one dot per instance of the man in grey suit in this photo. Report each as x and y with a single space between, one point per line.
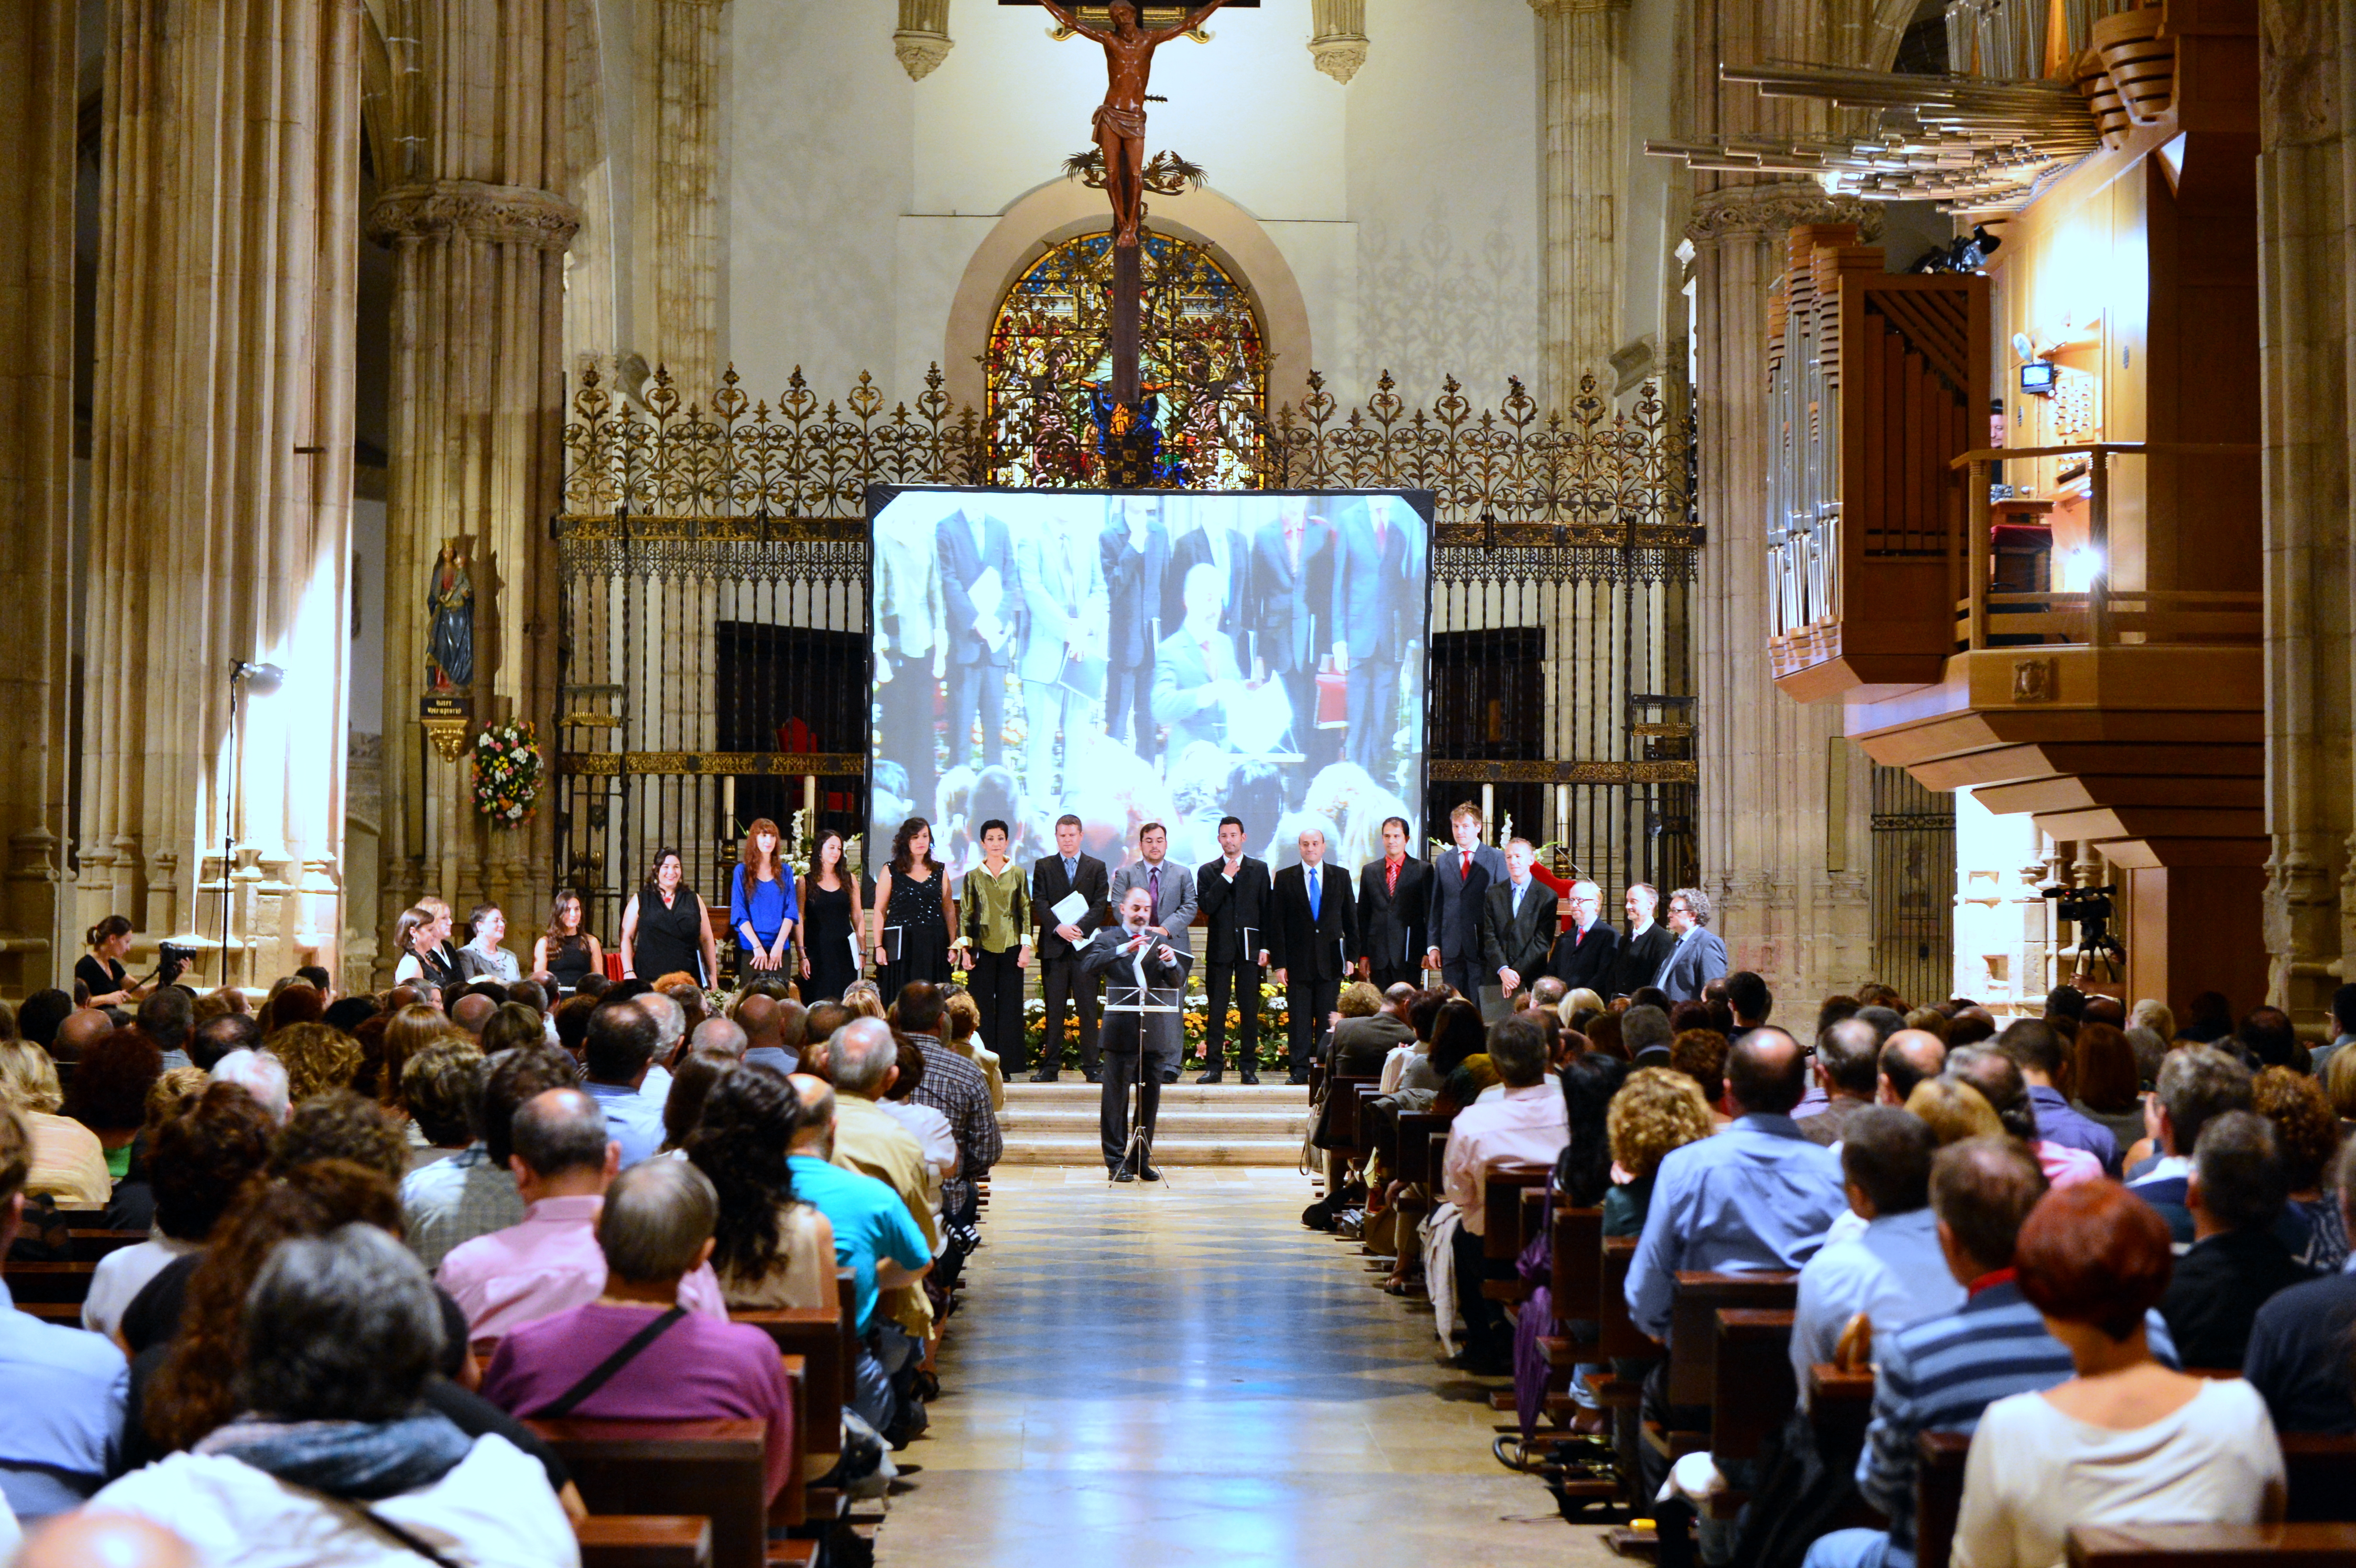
1195 670
1170 890
980 592
1062 574
1459 877
1136 552
1517 921
1699 957
1135 1050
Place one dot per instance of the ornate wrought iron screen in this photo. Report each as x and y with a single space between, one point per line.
1913 886
714 583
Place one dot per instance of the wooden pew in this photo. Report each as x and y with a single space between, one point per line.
1840 1407
29 1282
67 1312
1692 1324
712 1468
89 1246
1938 1494
1341 1112
2212 1545
644 1541
814 1334
2321 1469
1752 1390
1575 1284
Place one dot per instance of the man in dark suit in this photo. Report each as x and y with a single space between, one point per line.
1229 554
1699 957
1394 902
1377 552
1136 550
1062 980
1292 581
1588 953
1135 1050
1645 947
976 557
1233 894
1459 879
1315 935
1516 924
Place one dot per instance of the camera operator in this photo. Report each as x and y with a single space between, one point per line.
101 968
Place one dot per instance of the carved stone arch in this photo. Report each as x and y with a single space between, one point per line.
1062 208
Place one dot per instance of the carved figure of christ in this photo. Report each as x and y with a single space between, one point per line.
1121 117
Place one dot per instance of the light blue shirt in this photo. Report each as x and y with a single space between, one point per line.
61 1421
1519 889
1755 1199
1894 1272
631 1120
870 1222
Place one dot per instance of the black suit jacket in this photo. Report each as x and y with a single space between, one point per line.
1289 599
1393 928
1313 949
1048 887
1132 592
1641 958
961 565
1519 942
1593 962
1456 919
1228 911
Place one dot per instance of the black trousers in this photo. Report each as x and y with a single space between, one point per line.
1240 982
1123 1070
977 689
907 701
996 987
1486 1334
1063 986
1466 976
1385 975
1306 1005
1129 698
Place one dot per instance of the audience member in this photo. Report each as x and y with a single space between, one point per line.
571 1021
1953 1111
2127 1441
955 1088
1655 1110
923 1122
198 1160
623 1038
1929 1021
347 1014
1373 1024
2298 1350
2343 1028
165 1016
760 1017
1969 1027
471 1011
42 1014
2267 1038
2196 1082
696 1072
2340 1089
513 1026
1906 1059
472 1192
1529 1122
2003 1085
334 1447
771 1248
260 1074
671 1029
2307 1135
1894 1271
863 1060
85 1538
1748 995
317 1059
634 1353
66 1162
1848 1068
61 1423
964 1038
1644 1034
564 1161
81 1031
2208 1018
109 1093
2036 1051
720 1037
2105 1084
2237 1261
1700 1055
215 1037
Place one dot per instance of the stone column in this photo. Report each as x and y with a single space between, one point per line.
2306 231
38 52
922 40
1337 36
682 194
1770 836
479 234
220 472
1583 46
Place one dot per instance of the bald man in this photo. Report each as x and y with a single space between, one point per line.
91 1540
82 1028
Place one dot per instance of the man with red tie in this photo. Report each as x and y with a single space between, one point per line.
1459 877
1393 904
1588 953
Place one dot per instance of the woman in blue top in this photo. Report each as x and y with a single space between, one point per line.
761 906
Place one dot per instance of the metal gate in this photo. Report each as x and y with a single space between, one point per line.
1913 886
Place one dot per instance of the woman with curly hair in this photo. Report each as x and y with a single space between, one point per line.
342 1124
2306 1137
198 1159
317 1059
69 1164
109 1094
770 1250
1656 1110
914 912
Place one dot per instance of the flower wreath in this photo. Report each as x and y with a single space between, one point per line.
508 773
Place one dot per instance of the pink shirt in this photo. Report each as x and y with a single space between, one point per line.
2064 1165
1522 1123
545 1266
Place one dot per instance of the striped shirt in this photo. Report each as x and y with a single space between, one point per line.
1941 1374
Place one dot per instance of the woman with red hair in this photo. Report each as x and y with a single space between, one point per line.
2127 1441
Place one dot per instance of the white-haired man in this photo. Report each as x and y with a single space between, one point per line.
1699 957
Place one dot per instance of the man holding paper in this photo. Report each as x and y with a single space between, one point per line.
978 592
1143 974
1069 895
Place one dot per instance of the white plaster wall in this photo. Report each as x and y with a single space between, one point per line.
1406 204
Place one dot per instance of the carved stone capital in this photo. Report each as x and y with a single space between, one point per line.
1339 57
1749 210
498 214
920 54
1573 7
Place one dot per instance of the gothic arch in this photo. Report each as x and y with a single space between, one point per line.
1058 210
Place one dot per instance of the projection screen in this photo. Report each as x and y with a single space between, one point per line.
1172 656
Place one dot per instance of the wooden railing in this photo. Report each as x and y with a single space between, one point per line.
2098 615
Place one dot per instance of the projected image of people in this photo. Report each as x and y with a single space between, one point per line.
1171 658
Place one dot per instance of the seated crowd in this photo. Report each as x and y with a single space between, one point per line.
359 1243
2116 1249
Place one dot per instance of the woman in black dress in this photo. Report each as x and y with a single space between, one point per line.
102 969
914 912
830 915
665 929
565 954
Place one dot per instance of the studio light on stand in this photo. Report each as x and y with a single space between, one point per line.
261 679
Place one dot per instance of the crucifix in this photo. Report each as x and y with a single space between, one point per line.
1120 139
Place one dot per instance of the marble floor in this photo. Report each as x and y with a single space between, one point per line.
1178 1374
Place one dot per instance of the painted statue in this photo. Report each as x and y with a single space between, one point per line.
1120 119
450 601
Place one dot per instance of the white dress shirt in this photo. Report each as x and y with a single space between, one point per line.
1522 1123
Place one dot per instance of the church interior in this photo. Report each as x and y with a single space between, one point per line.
451 446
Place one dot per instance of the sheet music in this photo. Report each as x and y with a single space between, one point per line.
892 939
1250 950
856 959
1068 909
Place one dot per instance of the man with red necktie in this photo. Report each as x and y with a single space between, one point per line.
1459 877
1393 905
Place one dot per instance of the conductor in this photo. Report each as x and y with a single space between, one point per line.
1141 970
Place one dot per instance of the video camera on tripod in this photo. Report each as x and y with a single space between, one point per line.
2091 911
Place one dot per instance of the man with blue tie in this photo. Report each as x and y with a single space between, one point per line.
1313 936
1517 927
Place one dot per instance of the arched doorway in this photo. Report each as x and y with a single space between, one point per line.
1202 363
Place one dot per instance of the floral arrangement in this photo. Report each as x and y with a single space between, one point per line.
1196 1025
508 769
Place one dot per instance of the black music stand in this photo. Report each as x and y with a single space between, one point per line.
1145 1001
